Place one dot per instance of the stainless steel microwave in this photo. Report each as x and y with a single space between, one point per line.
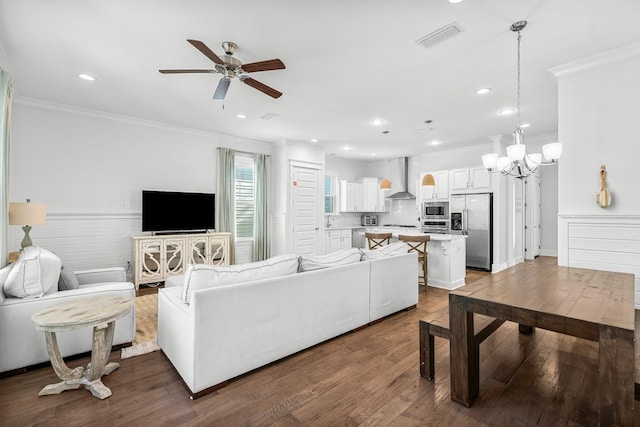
435 211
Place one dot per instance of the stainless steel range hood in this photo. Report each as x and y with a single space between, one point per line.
404 194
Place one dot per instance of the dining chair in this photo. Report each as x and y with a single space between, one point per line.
377 240
418 244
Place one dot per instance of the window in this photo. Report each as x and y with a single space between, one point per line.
245 196
330 195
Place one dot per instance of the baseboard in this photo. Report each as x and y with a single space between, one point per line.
549 252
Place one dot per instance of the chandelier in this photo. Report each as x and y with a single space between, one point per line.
517 162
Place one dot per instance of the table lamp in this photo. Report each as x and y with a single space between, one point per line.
27 214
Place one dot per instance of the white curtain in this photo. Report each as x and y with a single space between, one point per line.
260 235
6 94
226 197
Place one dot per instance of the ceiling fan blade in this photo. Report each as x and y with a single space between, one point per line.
271 64
262 87
185 71
206 51
223 87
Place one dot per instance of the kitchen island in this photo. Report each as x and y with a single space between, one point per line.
446 256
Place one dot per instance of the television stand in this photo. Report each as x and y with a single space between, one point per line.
156 258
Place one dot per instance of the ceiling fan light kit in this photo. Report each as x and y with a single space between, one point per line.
517 162
231 67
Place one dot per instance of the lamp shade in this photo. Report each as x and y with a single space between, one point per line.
533 160
516 152
552 151
385 184
22 213
490 161
504 164
428 180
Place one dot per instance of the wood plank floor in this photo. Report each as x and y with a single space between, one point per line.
370 377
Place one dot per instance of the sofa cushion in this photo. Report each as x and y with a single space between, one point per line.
68 280
4 273
33 274
342 257
396 248
199 276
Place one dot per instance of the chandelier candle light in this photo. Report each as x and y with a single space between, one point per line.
517 162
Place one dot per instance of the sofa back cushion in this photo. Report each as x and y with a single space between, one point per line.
4 273
396 248
34 273
199 276
341 257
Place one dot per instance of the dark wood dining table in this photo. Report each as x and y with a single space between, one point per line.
590 304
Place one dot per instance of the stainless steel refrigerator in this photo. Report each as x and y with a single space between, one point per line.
472 215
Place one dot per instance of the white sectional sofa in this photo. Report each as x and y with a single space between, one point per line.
21 345
225 331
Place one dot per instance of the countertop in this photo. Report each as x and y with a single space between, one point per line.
395 231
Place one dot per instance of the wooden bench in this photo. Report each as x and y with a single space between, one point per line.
484 326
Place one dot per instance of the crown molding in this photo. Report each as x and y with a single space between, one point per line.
597 60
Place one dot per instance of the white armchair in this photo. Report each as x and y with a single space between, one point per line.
22 346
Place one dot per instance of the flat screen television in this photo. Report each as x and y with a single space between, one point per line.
167 211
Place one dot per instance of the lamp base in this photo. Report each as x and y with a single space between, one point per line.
27 239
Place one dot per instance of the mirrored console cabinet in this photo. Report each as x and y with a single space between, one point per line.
159 257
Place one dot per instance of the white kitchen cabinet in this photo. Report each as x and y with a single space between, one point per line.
351 196
470 180
336 240
372 196
439 191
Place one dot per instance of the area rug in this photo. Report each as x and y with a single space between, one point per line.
138 349
146 326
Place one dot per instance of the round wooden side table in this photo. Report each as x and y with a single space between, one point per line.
99 312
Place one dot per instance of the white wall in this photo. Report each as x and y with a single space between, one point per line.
599 107
91 165
346 168
79 161
598 104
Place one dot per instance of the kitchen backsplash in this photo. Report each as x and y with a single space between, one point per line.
403 212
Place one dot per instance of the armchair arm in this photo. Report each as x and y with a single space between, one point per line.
99 275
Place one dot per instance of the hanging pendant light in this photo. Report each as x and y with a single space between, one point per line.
517 162
428 180
385 184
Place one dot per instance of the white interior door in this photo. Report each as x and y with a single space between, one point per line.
305 210
518 221
532 217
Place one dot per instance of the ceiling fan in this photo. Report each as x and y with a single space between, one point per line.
231 67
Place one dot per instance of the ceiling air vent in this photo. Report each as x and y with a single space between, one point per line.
439 35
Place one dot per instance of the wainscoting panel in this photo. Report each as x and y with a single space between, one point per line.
244 251
609 243
85 241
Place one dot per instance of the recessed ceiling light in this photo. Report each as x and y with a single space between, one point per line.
373 154
314 139
455 1
88 77
483 91
435 142
506 111
346 148
241 116
525 125
377 122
